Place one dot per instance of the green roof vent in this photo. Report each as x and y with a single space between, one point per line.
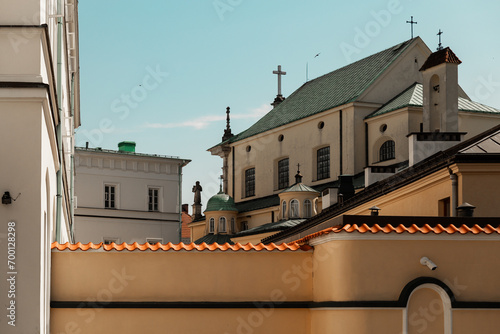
126 146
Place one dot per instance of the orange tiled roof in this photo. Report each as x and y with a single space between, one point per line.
399 229
178 247
439 57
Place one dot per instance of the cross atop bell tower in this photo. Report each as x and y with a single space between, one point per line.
279 98
440 46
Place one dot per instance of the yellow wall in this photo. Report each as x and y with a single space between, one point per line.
301 140
362 321
180 321
177 276
340 270
478 184
476 321
379 269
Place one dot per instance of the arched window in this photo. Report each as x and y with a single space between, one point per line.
283 209
307 208
294 208
387 150
233 226
211 225
222 225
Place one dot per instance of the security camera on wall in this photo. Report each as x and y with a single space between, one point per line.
426 262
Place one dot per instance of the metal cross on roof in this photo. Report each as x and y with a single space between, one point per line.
440 47
279 72
411 22
298 167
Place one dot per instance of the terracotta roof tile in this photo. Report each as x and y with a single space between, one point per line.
178 247
439 57
400 229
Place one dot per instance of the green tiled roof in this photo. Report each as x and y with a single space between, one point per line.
221 202
215 238
413 97
299 187
258 203
270 227
334 89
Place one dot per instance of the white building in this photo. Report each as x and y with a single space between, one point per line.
124 196
39 109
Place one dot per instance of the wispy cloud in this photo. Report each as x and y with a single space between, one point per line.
204 121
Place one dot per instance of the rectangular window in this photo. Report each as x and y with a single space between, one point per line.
244 226
323 161
283 177
250 182
109 197
153 199
444 207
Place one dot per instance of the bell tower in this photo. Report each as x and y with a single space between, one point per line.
440 90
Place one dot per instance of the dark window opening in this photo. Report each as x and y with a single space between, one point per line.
323 160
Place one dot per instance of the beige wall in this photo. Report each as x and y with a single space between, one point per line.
476 321
382 268
475 123
178 276
301 140
216 215
344 268
478 184
360 321
197 230
185 321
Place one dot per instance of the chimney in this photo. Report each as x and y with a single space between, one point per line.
465 210
126 146
346 187
185 208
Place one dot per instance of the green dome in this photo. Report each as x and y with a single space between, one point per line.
221 202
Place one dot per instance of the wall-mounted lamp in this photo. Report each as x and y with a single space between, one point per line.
7 199
426 262
374 210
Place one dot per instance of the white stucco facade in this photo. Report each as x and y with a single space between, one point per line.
39 109
127 197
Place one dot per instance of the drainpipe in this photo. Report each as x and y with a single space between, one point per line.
72 182
180 199
454 192
59 126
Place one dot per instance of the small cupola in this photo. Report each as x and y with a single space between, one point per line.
220 215
298 201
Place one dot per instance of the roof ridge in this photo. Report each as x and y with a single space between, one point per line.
395 98
399 48
400 229
332 89
177 247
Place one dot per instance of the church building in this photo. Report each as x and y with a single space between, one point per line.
347 129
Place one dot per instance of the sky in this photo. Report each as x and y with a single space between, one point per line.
162 72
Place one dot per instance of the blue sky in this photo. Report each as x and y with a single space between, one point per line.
162 72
